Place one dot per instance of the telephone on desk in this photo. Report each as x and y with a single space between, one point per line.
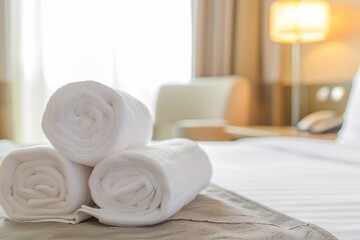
321 122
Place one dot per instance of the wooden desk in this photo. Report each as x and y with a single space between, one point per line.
237 132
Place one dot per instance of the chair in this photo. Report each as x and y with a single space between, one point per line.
200 109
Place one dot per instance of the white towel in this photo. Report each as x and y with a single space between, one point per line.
86 121
147 185
37 184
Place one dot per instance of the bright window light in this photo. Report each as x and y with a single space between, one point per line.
135 45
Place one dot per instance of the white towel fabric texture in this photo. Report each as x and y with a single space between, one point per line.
87 121
133 183
147 185
38 184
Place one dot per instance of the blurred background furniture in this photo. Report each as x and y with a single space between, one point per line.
200 109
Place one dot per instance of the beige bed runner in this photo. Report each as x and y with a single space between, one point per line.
214 214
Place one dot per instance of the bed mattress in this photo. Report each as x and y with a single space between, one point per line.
317 181
310 180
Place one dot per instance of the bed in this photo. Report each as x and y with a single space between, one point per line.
316 181
312 180
262 188
225 209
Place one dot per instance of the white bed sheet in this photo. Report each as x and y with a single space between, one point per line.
316 181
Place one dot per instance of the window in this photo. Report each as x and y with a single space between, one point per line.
135 45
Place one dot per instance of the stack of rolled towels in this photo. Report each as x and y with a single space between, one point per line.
101 163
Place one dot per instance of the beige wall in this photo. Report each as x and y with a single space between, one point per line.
337 58
333 60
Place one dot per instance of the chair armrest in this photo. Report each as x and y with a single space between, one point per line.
202 129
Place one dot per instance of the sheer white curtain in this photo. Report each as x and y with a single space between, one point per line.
134 45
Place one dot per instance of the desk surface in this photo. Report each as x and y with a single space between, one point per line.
268 131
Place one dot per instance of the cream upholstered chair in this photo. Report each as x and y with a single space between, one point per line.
200 109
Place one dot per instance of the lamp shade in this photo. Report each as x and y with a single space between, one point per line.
299 21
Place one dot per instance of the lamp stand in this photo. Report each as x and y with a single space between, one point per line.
295 88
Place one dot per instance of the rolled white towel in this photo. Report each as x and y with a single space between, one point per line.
37 184
147 185
86 121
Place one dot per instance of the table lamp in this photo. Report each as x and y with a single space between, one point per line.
295 22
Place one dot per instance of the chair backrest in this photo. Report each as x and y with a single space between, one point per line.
225 97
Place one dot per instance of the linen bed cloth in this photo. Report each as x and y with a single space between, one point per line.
147 185
214 214
38 184
86 121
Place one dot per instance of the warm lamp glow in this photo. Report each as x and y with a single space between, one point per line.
299 21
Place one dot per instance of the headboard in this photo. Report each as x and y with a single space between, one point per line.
333 96
320 96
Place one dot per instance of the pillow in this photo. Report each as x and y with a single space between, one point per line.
350 131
